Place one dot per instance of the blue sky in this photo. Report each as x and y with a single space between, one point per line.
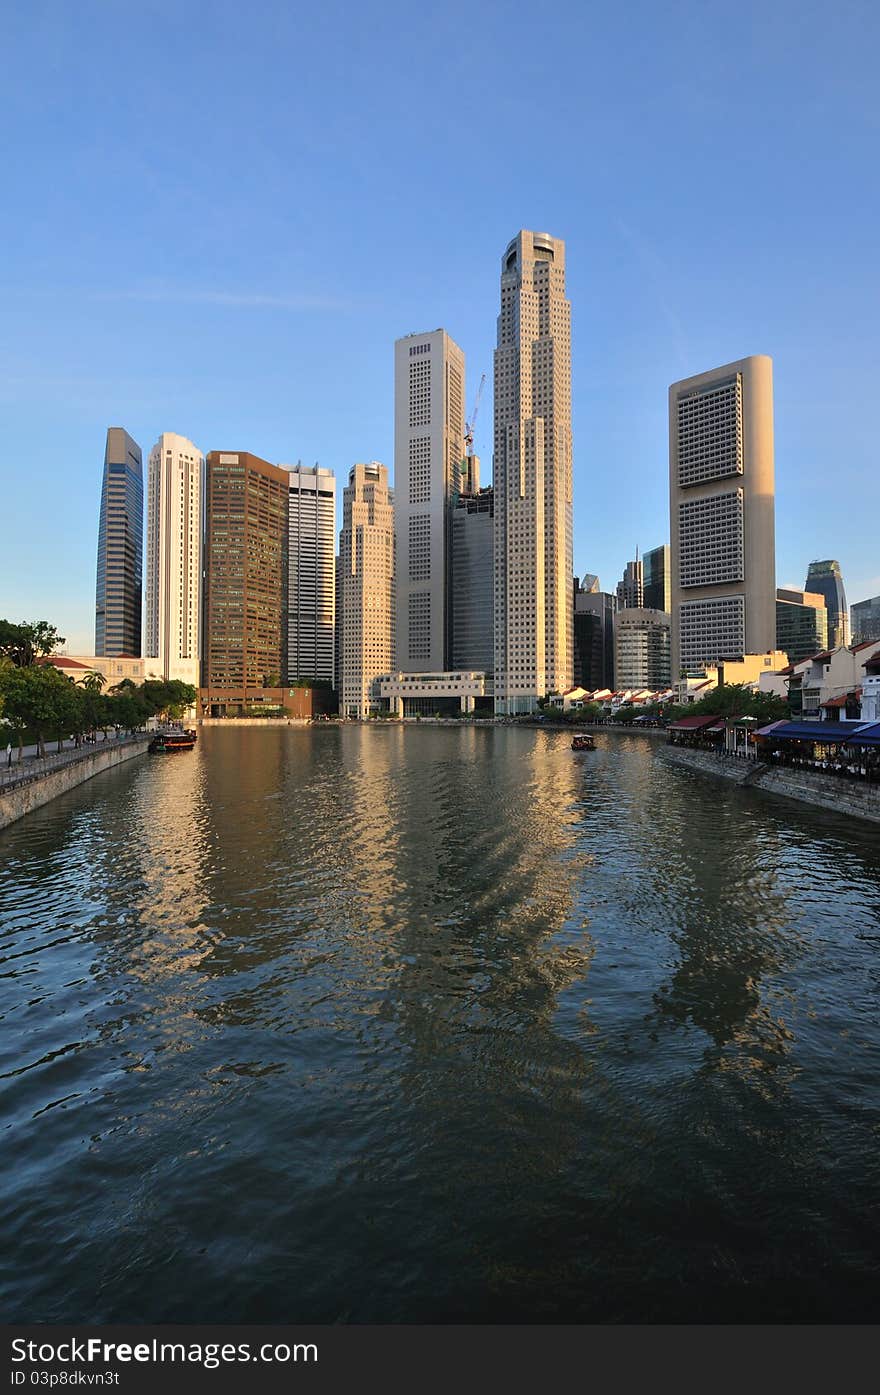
220 216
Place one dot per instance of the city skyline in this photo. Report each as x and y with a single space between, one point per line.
661 285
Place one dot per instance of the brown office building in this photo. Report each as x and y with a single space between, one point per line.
246 502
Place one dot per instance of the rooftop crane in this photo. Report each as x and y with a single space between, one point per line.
469 425
467 466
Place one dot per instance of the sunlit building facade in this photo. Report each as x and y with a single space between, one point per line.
119 580
533 476
173 608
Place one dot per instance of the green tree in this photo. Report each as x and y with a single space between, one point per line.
39 699
23 644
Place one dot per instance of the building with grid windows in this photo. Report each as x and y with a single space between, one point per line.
119 581
366 589
865 617
473 522
641 649
631 587
595 612
429 386
533 476
721 504
310 617
245 580
173 609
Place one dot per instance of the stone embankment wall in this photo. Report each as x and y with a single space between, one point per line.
38 788
843 796
253 721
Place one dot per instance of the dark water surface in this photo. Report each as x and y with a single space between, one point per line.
381 1025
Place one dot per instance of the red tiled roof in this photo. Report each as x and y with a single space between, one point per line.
821 657
864 645
62 661
842 701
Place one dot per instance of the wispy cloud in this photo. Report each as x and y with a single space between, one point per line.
192 295
246 300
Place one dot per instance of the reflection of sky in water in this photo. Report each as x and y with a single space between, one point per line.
383 1024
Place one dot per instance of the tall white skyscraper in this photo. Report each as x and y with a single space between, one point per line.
366 589
721 512
428 450
174 558
311 573
533 465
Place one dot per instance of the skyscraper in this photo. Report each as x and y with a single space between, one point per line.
825 579
657 580
311 571
533 476
246 521
631 588
473 522
721 506
119 588
366 567
174 558
428 451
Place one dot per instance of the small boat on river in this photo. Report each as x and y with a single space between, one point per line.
171 739
583 742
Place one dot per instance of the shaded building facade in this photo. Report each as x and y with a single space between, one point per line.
245 577
657 580
801 623
472 531
594 615
119 580
865 616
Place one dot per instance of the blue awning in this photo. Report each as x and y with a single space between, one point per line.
826 732
866 736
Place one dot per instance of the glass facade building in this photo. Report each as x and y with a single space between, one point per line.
594 615
657 579
825 579
801 624
865 620
119 587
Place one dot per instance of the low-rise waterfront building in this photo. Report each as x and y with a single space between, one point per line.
435 694
112 669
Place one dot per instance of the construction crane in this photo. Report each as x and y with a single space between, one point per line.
467 465
469 425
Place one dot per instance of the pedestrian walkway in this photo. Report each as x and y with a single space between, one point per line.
34 767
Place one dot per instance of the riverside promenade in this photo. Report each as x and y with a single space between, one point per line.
34 781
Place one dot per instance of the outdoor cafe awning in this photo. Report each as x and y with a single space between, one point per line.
692 723
866 736
828 733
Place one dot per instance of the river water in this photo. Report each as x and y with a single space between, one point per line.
365 1024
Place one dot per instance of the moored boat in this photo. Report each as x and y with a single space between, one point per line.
175 739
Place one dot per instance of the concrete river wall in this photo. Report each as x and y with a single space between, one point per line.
35 783
844 796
